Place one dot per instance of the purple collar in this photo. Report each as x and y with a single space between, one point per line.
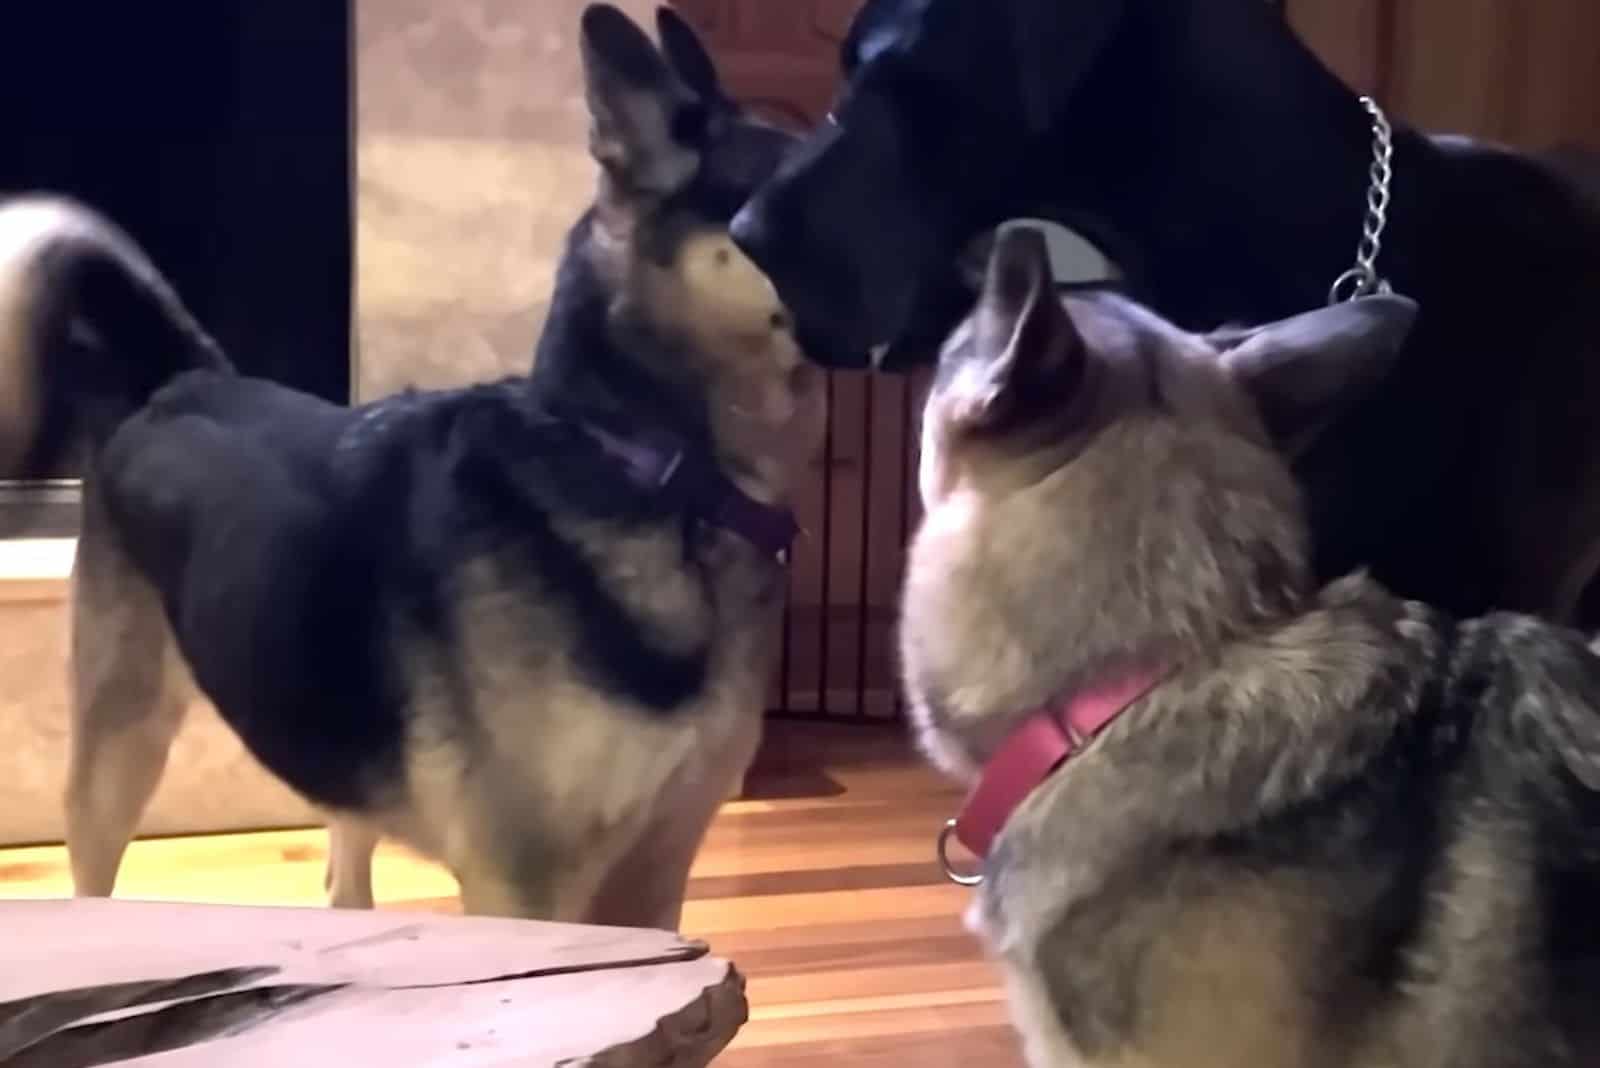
659 460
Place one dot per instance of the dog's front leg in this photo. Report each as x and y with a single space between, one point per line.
490 890
506 870
130 691
348 878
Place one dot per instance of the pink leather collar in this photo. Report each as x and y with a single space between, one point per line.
1046 740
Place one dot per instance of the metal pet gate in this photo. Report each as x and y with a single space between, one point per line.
838 659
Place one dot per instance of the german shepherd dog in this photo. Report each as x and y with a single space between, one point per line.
524 627
1225 171
1231 816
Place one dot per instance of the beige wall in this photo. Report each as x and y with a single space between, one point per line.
471 164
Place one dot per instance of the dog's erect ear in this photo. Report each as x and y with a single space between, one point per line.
687 56
644 121
1304 371
1023 339
1056 42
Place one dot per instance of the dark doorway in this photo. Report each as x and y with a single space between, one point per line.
218 132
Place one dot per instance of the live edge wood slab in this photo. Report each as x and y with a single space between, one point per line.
166 985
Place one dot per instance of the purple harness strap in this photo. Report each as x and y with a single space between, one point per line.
657 459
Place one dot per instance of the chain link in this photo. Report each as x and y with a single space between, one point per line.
1363 279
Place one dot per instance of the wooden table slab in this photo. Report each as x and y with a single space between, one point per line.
158 985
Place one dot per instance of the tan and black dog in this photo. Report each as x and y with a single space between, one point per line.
524 627
1229 816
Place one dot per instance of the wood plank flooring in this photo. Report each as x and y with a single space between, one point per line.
820 883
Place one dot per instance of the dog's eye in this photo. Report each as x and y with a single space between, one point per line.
689 124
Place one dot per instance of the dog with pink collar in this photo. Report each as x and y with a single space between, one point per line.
1224 814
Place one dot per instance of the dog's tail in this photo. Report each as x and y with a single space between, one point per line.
88 329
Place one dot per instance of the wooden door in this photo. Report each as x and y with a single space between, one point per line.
1522 72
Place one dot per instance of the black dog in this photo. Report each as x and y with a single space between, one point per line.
1226 170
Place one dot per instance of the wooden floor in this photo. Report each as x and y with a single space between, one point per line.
820 884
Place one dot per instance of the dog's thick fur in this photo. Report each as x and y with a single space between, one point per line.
1344 829
1225 170
452 618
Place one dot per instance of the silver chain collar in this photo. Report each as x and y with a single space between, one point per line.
1363 279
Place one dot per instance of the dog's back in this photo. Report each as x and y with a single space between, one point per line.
1329 827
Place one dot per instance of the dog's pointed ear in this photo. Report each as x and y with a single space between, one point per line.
643 123
1304 371
687 55
1056 42
1024 341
